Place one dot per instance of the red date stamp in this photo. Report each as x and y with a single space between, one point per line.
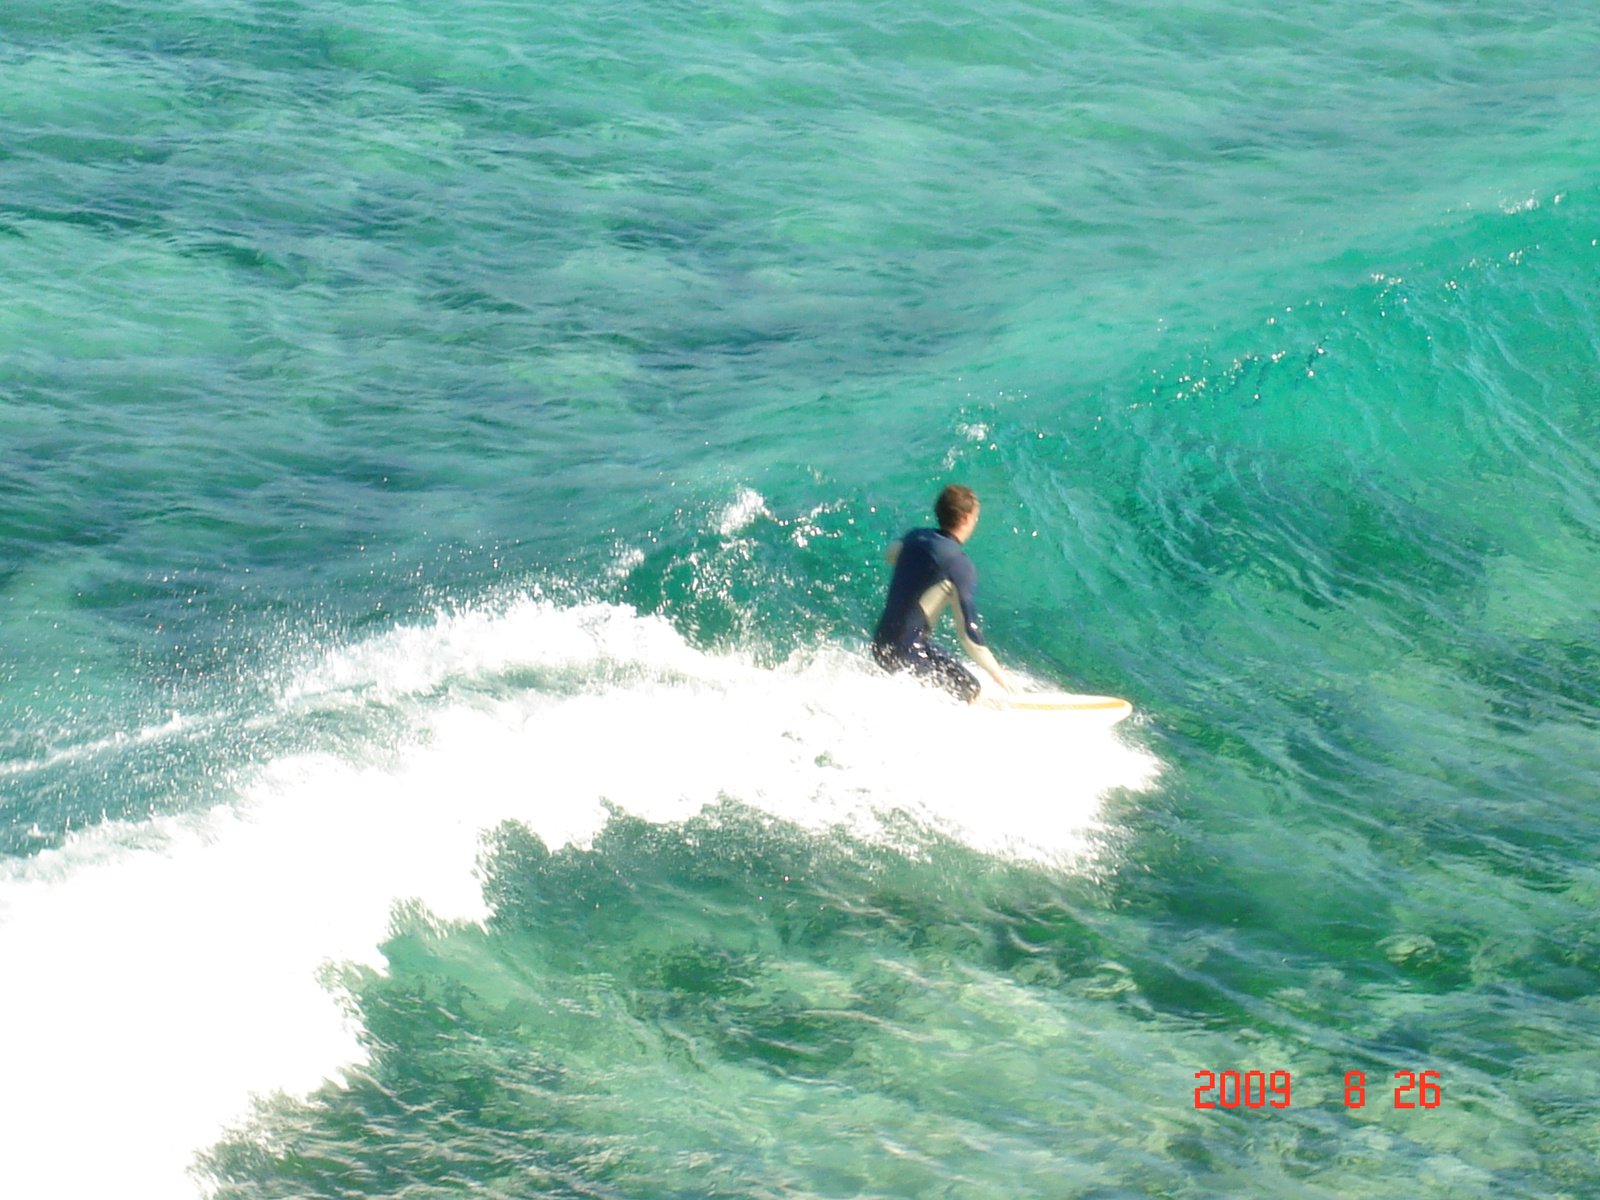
1249 1089
1257 1089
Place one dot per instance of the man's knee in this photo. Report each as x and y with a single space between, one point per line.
957 680
940 668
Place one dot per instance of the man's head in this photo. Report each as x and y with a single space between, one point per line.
957 510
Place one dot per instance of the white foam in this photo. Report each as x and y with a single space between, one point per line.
158 974
175 723
744 509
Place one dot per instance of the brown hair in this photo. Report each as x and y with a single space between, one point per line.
954 504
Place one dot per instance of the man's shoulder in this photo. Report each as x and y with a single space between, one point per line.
925 544
937 545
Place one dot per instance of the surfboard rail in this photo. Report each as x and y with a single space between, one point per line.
1109 708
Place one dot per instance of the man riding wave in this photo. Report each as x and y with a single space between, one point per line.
932 571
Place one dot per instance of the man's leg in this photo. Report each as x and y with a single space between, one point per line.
933 664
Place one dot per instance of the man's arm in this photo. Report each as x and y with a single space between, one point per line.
965 580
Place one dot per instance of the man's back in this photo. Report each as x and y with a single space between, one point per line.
931 571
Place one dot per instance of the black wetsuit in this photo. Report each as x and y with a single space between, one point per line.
931 571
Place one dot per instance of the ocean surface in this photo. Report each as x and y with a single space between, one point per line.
447 451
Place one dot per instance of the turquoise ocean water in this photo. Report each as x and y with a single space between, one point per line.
446 453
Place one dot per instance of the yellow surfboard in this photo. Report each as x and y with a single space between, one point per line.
1108 709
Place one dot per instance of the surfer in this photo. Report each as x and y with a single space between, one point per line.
931 570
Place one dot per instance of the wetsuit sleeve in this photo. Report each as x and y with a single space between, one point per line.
965 579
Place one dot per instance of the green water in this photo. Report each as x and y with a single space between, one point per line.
431 425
